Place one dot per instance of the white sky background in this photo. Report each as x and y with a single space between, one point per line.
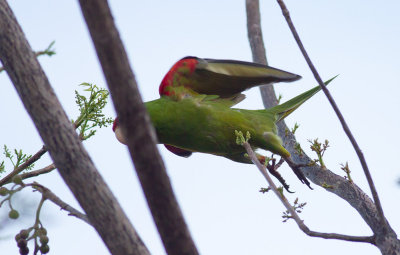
220 200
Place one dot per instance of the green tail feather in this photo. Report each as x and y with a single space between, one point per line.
283 110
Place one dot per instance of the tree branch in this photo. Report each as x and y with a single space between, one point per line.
386 238
293 214
38 172
48 52
48 194
346 129
36 157
23 166
256 41
141 137
59 136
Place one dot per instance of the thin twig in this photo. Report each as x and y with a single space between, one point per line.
346 129
48 194
30 161
38 172
37 54
293 213
23 166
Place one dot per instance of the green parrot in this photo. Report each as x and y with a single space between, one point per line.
195 114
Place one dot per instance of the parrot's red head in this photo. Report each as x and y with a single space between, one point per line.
177 74
175 77
118 132
115 124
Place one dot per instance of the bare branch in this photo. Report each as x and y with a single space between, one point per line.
141 138
38 172
346 129
59 136
48 194
257 48
294 215
360 239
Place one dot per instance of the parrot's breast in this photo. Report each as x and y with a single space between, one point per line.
204 127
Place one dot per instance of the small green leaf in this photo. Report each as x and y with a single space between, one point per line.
248 136
91 110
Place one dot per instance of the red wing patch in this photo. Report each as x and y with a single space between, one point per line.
182 68
178 151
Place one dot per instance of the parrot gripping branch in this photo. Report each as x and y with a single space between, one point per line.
272 167
269 163
197 96
291 210
384 236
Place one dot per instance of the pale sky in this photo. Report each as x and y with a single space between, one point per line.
220 200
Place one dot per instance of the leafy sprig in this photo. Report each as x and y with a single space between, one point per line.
91 110
16 158
297 207
319 149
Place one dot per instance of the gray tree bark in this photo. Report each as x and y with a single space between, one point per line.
385 237
59 136
136 124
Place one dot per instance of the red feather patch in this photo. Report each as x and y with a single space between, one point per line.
115 124
179 68
178 151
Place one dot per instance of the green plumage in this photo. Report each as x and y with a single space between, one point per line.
207 124
195 114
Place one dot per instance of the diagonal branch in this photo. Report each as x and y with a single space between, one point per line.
346 128
23 166
141 137
38 172
34 158
59 136
48 194
293 214
386 238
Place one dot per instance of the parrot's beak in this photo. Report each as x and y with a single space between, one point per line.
118 132
119 135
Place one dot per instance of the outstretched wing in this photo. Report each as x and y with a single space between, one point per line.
283 110
225 78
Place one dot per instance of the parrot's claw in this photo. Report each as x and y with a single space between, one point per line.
272 168
296 169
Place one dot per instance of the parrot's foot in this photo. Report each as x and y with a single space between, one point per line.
296 169
272 168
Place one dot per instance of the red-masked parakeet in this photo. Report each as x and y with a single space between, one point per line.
195 114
